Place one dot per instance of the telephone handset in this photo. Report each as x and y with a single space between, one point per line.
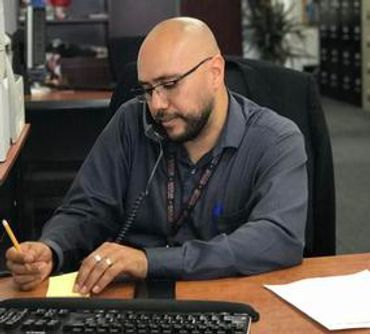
151 129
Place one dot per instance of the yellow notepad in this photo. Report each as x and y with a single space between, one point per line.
62 286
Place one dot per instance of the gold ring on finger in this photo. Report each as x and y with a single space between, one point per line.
108 261
97 258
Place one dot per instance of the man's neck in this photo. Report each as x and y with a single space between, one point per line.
207 140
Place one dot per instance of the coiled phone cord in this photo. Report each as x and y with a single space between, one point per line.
135 207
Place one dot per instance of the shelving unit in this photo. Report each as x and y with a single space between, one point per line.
87 23
78 44
92 20
78 21
343 40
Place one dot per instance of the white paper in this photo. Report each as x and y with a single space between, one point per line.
336 302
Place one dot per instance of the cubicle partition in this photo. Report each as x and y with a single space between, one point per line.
65 125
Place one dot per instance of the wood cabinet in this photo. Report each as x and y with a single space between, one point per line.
11 185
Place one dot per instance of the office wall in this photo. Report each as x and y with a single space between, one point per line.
225 21
137 17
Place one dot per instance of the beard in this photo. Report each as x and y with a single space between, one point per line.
194 122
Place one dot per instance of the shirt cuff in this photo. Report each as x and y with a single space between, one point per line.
57 251
165 262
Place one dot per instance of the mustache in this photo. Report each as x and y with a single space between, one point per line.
162 116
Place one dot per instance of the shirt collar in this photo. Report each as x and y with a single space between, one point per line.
234 128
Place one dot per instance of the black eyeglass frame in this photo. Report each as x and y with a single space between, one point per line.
144 94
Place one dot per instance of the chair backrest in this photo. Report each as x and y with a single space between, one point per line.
123 50
294 95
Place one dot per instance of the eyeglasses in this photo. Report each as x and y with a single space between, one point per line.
166 87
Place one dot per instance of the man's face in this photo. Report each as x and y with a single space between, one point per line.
178 97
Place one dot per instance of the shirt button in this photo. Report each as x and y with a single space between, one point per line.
193 171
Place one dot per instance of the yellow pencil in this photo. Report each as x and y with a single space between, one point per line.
11 235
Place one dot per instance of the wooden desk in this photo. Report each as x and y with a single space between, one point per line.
63 95
68 99
11 177
8 290
13 154
276 315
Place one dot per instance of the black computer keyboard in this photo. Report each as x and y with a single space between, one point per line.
140 316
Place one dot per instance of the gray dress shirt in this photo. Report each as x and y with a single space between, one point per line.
249 219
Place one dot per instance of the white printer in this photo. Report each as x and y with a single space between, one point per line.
4 93
12 114
16 96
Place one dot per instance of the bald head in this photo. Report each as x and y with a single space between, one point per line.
182 40
194 109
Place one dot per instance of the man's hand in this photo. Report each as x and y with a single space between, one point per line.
107 262
31 265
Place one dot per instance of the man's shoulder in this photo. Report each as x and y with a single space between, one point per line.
129 110
126 123
265 120
128 117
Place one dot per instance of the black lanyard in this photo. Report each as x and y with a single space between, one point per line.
176 223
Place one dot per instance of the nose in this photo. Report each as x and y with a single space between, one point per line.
158 100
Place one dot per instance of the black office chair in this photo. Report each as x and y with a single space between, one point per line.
123 50
294 95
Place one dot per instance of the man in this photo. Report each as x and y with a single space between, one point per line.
228 197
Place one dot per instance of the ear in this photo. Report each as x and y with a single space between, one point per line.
217 71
